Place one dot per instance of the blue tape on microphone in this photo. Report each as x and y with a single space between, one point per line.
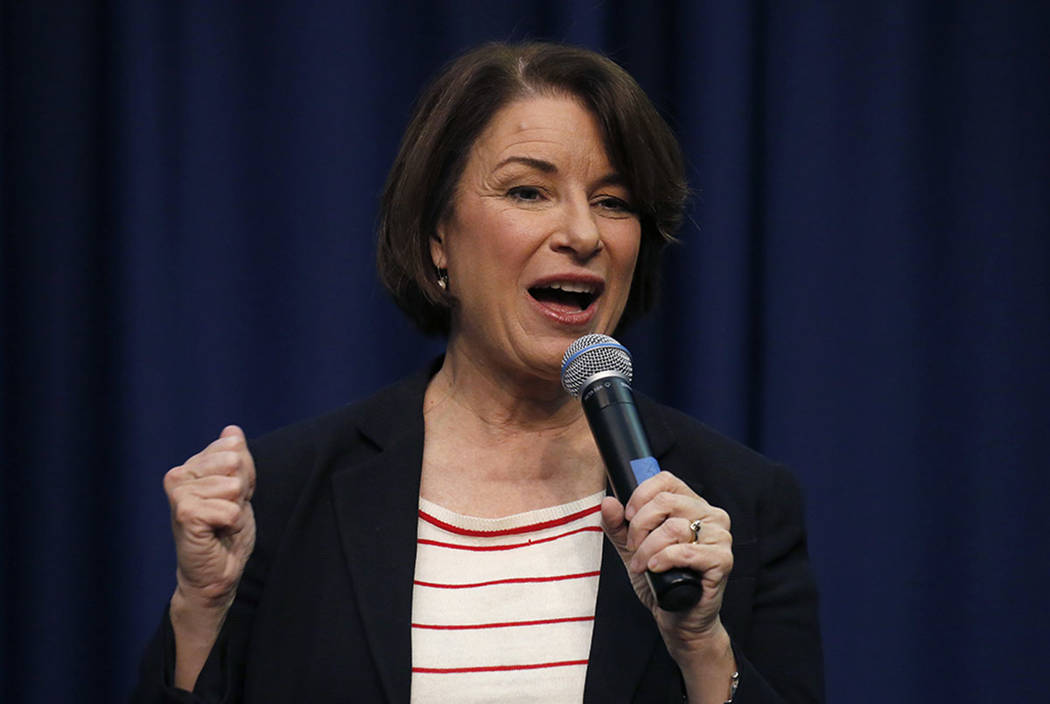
645 467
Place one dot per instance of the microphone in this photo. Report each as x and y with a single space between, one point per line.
597 370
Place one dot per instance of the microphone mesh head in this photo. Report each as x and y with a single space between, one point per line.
590 355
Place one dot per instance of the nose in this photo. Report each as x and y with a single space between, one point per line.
577 231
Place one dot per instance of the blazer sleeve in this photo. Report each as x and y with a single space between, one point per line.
221 680
782 658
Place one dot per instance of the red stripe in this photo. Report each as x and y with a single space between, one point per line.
483 548
508 624
513 580
497 668
509 531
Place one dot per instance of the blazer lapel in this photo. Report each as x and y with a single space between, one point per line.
624 635
376 504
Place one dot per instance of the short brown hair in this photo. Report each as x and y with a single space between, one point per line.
456 108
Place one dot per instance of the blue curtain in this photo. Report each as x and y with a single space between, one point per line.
863 291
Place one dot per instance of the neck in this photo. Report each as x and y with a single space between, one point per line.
499 443
500 400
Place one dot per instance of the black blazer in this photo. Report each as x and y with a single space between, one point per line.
323 611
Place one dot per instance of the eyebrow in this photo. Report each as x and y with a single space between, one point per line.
611 179
538 164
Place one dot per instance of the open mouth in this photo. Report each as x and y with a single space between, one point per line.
575 295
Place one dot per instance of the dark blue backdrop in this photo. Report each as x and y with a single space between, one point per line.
189 192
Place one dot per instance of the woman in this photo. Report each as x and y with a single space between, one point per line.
442 541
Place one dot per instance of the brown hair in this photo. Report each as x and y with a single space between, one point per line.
454 110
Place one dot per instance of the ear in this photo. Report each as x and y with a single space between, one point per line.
437 248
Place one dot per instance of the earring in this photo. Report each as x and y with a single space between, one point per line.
442 275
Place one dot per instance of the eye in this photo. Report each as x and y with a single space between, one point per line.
528 194
614 205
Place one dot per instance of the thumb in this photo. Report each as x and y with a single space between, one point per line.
614 524
232 431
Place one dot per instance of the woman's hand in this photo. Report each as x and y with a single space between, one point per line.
214 529
653 532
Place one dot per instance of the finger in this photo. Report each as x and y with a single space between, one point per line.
226 462
712 562
660 483
216 486
226 455
661 507
666 505
672 531
217 463
202 518
230 438
677 531
245 517
235 441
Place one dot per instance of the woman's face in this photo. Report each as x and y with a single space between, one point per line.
541 241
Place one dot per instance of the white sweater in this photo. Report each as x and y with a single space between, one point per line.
503 608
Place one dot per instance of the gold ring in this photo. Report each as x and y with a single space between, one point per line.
695 526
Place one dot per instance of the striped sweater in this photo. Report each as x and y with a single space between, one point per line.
503 608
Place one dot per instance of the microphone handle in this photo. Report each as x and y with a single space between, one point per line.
608 403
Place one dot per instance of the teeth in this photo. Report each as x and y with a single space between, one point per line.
571 287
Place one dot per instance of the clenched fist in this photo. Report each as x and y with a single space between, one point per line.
214 528
211 519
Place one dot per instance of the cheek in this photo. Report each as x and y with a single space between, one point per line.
486 253
626 263
630 242
502 242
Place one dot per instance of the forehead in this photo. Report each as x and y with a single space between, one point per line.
548 125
